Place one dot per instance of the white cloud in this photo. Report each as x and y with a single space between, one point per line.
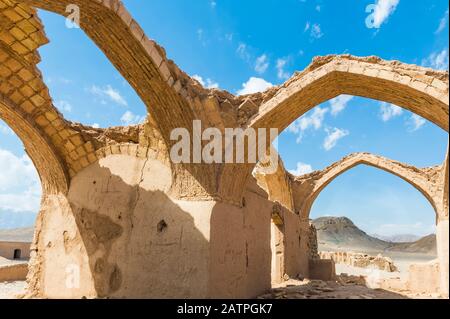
242 51
209 84
437 60
307 26
416 122
281 72
63 106
333 137
261 64
311 120
20 187
254 85
129 118
442 23
95 125
389 111
110 93
301 169
338 104
383 9
316 31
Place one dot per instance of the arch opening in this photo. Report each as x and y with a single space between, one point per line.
97 97
424 180
375 232
23 190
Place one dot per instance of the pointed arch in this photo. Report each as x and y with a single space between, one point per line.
420 90
425 180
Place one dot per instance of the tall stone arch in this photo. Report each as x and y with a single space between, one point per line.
428 181
425 180
420 90
52 172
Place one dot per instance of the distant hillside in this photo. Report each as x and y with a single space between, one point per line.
18 234
403 238
339 233
425 245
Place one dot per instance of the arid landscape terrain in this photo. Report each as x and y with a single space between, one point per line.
334 234
340 233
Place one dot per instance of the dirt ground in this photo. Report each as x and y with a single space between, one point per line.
12 290
352 283
345 287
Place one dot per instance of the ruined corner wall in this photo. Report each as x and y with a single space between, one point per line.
7 249
120 234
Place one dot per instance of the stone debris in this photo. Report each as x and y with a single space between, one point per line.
345 287
360 260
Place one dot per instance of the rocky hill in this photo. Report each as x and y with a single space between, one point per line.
402 238
425 245
17 234
341 234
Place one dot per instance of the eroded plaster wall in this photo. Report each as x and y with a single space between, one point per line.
120 232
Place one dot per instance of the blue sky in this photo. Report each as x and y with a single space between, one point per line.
245 46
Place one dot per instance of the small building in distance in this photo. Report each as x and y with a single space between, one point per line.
15 243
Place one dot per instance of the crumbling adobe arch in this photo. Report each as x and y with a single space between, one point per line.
140 60
432 182
52 173
425 180
420 90
172 98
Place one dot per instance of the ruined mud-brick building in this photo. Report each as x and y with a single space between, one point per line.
126 221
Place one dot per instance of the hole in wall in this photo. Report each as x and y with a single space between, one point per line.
162 226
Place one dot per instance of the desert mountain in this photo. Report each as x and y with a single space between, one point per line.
17 234
340 233
425 245
403 238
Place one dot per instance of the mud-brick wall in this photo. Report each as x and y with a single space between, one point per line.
7 249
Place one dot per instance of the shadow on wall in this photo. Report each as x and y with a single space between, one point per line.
136 240
126 238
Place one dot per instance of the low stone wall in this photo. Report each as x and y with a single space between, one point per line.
360 260
13 272
8 248
424 278
322 269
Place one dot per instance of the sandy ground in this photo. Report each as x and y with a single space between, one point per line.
344 288
11 290
349 284
4 261
401 260
354 282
